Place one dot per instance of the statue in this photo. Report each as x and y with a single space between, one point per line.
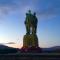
31 23
30 39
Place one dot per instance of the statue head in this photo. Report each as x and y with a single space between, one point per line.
34 13
29 11
26 14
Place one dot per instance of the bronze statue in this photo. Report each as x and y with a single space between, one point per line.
30 39
31 23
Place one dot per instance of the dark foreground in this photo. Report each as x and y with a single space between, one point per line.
30 56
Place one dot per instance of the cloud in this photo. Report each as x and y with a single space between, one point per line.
10 43
7 6
48 13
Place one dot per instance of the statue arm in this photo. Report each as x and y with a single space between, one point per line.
36 20
26 20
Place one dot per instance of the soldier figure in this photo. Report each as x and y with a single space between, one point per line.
31 23
27 22
35 21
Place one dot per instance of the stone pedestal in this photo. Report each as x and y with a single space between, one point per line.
30 41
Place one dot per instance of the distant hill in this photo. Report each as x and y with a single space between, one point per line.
3 46
5 49
52 49
56 47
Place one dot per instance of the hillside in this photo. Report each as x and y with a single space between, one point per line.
5 49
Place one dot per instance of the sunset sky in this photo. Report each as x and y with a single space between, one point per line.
12 17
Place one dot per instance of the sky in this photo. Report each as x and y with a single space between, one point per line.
12 17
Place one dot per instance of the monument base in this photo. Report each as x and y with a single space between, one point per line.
30 41
31 50
30 44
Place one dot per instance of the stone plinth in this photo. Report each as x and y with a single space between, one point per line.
30 41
